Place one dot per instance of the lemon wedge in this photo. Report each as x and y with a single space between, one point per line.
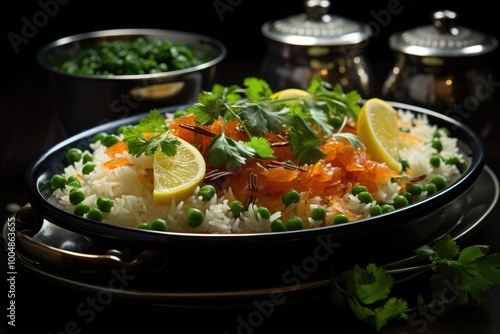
176 177
378 129
289 93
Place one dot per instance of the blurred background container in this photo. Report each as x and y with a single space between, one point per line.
317 43
87 100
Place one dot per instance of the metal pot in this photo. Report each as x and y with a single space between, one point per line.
85 101
444 67
317 43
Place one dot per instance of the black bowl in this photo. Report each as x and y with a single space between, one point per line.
249 261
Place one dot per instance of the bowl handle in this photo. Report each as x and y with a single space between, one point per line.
29 222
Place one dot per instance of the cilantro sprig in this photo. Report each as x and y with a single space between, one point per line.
472 271
154 124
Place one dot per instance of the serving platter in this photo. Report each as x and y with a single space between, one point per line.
477 205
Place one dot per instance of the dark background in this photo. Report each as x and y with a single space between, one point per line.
30 124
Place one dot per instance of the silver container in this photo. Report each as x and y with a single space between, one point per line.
85 101
444 67
317 43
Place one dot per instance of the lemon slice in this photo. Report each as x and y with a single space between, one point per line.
289 93
378 129
177 176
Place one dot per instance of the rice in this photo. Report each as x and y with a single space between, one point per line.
131 190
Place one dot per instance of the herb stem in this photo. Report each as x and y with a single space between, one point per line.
238 118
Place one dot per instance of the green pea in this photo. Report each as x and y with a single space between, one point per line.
194 217
318 213
404 163
263 212
387 208
110 140
73 155
375 210
439 181
436 144
462 167
290 197
99 136
400 201
340 218
76 196
435 160
159 225
104 204
357 189
415 189
73 181
81 209
295 223
88 168
277 225
87 157
142 226
430 189
404 129
236 208
95 214
58 181
207 192
365 197
409 197
452 161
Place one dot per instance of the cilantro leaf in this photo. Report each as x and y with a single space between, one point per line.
372 284
257 89
262 148
207 108
394 308
261 119
223 150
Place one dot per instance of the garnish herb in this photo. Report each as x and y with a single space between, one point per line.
367 291
149 134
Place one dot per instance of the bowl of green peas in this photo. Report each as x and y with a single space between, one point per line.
106 75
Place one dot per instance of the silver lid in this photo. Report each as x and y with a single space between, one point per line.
443 38
316 27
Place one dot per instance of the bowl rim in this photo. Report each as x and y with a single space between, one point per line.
72 222
204 39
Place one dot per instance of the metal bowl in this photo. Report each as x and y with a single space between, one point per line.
191 262
86 101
